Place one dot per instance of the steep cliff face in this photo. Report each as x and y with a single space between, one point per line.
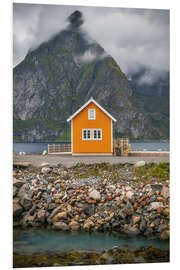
58 77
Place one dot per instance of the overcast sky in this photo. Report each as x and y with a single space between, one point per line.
134 37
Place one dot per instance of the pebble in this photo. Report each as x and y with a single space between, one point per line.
65 202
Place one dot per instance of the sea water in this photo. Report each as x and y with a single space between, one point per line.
38 148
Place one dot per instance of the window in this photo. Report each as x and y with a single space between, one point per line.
91 114
92 134
99 134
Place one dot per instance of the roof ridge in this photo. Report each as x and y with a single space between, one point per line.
85 105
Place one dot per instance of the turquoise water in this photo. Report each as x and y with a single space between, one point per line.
38 148
31 241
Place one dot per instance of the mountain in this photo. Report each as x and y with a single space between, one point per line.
152 97
59 76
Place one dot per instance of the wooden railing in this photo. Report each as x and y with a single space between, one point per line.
59 148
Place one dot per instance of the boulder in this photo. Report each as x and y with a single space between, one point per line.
136 219
17 209
128 209
23 190
59 216
156 187
132 230
74 225
41 215
95 195
88 225
121 214
164 235
140 163
46 170
129 194
44 164
44 152
29 220
15 191
155 206
54 212
62 226
89 209
142 225
111 188
18 183
165 191
26 202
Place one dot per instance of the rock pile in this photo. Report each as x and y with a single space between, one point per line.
58 197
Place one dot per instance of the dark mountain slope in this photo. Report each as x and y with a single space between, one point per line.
58 77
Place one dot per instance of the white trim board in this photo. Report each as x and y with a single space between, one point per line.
85 105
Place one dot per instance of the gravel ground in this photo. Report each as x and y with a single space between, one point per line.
70 161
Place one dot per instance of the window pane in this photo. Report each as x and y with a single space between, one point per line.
99 134
88 134
91 114
84 134
95 134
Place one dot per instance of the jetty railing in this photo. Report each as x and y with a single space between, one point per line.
59 148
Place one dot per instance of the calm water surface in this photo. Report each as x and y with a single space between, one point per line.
30 241
38 148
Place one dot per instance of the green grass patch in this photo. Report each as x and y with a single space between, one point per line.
160 172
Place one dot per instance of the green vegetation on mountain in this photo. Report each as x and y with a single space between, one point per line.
59 76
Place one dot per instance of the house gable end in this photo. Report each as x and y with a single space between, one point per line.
85 105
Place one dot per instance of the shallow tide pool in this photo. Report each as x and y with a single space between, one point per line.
42 240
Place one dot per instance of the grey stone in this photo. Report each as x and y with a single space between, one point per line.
95 195
121 214
111 188
17 209
74 225
155 206
15 191
46 170
156 187
23 190
142 225
132 230
140 163
26 202
165 191
18 183
41 214
89 209
61 226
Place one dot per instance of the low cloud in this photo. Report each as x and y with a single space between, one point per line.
135 38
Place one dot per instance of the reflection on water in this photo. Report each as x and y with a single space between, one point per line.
30 241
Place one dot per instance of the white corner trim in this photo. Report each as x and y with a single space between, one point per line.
72 136
86 104
111 136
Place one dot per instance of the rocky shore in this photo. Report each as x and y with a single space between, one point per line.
133 199
114 255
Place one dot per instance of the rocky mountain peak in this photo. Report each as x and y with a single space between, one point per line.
76 19
59 76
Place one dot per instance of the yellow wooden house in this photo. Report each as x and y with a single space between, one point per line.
91 130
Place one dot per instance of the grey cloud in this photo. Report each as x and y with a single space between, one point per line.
136 38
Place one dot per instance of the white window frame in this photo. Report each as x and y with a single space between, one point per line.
91 134
92 114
